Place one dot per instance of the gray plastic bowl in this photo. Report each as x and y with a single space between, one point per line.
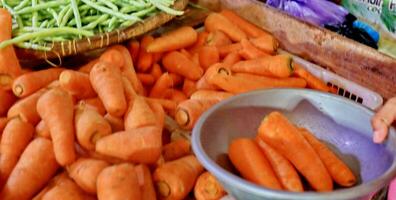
341 123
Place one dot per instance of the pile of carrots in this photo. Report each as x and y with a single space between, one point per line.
105 130
281 151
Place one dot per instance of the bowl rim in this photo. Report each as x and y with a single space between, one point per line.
244 185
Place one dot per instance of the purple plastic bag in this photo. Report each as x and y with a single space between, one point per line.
318 12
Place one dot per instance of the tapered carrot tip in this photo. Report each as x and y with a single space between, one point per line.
182 117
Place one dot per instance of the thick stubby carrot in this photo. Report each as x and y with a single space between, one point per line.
88 66
158 111
56 180
248 159
94 102
26 108
201 40
250 29
178 63
175 179
225 50
77 84
218 39
177 79
210 95
266 43
208 188
118 182
113 57
31 82
208 55
216 21
165 103
284 137
249 51
189 111
130 92
186 53
280 66
37 163
146 79
189 87
9 63
16 136
337 169
134 47
146 182
56 109
141 145
107 82
284 170
7 100
3 123
139 114
117 124
218 68
156 71
164 82
312 81
42 130
195 58
66 189
180 38
90 127
175 95
232 58
176 150
85 172
145 59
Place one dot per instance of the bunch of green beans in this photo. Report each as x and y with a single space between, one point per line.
36 23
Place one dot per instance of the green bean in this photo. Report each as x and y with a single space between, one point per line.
23 3
44 24
35 14
96 22
53 13
76 12
168 10
109 4
145 12
27 45
128 9
41 6
62 13
110 12
66 17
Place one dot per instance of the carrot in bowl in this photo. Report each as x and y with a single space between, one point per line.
217 21
189 111
26 108
180 38
146 183
77 84
208 188
218 39
7 100
139 114
178 63
208 55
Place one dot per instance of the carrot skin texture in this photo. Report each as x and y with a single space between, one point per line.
178 63
77 84
156 71
216 21
208 55
7 100
114 57
189 87
66 189
176 149
26 108
164 82
180 38
232 58
42 130
146 79
133 47
266 43
117 124
145 60
249 51
312 81
3 123
210 95
218 39
139 115
146 183
208 188
94 102
189 111
88 66
279 66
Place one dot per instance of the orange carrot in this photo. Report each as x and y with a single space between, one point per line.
88 66
37 163
77 84
90 126
312 81
283 169
246 156
66 189
195 58
186 53
158 111
189 111
145 59
141 145
113 57
208 55
146 183
167 104
9 63
55 108
175 95
218 68
189 87
218 39
176 150
130 92
117 124
156 71
208 188
7 100
338 170
134 47
249 51
266 43
94 102
232 58
55 181
16 136
285 138
178 63
26 108
42 130
250 29
85 172
146 79
107 82
118 182
3 123
139 115
175 179
157 57
201 40
177 39
29 83
280 66
163 83
216 21
210 95
225 50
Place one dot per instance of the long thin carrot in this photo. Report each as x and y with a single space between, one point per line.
16 136
94 102
175 179
178 63
208 55
146 79
118 182
156 71
145 60
280 66
9 63
66 189
42 130
163 83
189 111
249 51
26 108
146 183
232 58
175 95
117 124
142 145
139 114
31 82
176 150
312 81
88 66
225 50
85 172
114 57
250 29
201 40
77 84
218 39
210 95
107 82
283 169
208 188
284 137
134 47
189 87
266 43
158 111
216 21
7 100
338 170
180 38
3 123
37 163
55 108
